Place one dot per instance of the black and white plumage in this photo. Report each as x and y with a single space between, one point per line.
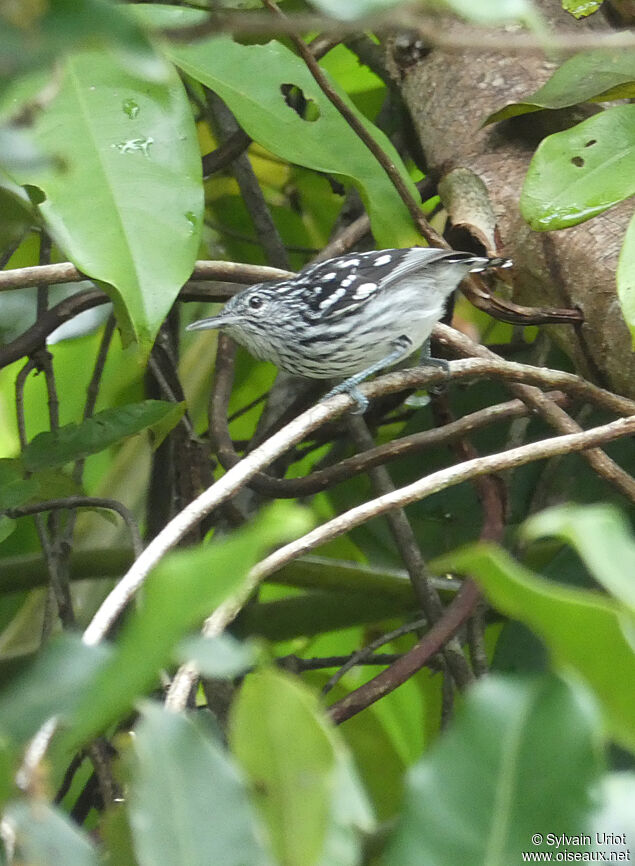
348 317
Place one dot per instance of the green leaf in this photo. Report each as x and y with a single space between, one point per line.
182 590
302 778
253 79
35 33
585 631
581 8
626 278
222 656
15 490
189 803
45 836
7 527
582 171
106 428
52 685
593 75
602 537
125 202
518 760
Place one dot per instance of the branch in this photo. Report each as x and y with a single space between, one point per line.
459 610
65 272
227 612
411 555
433 31
71 502
438 481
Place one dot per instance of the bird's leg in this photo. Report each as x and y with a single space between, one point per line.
426 359
403 346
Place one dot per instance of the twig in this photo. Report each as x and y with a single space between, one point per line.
459 610
226 612
346 239
65 272
440 480
297 665
554 415
225 153
394 175
410 553
434 32
251 192
367 653
69 502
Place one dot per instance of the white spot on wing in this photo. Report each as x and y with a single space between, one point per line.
328 277
382 260
332 298
364 291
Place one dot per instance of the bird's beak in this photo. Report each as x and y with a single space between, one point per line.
219 321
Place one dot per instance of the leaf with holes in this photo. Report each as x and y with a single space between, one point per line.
280 105
582 171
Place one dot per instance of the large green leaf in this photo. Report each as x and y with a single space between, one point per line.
125 200
35 33
626 278
182 590
585 631
106 428
593 75
582 171
252 79
51 686
189 804
602 537
516 765
45 836
302 777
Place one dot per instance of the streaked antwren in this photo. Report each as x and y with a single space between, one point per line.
349 317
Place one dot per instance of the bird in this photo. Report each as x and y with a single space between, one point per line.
351 316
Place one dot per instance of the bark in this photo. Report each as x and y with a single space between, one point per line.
449 94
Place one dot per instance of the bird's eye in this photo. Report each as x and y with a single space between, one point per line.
256 302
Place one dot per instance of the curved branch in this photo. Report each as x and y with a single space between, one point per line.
71 502
440 480
457 612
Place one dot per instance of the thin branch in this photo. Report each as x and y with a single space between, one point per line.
225 153
367 653
65 272
297 665
410 553
69 502
433 31
323 479
251 192
363 133
459 610
441 480
552 414
227 612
